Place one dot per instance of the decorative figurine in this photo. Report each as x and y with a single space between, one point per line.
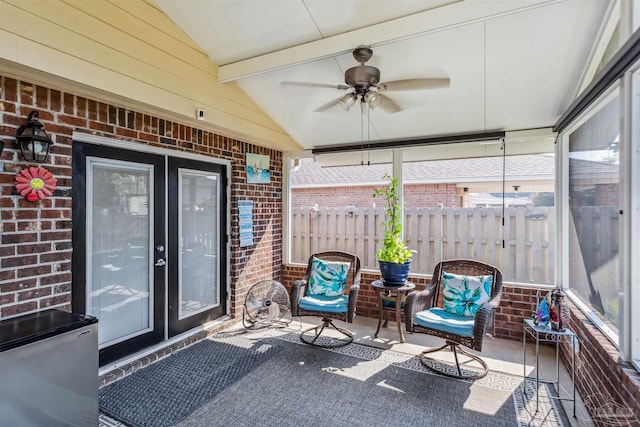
541 316
559 314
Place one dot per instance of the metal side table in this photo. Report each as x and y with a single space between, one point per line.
544 334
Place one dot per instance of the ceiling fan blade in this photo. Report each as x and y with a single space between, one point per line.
414 84
388 105
328 105
311 84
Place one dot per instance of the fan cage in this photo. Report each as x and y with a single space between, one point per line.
266 304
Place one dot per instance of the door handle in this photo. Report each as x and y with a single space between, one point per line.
160 262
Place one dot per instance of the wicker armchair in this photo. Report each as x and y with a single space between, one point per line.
341 307
425 313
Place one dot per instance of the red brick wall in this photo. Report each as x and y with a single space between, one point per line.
431 195
332 197
516 304
36 245
601 379
418 195
607 194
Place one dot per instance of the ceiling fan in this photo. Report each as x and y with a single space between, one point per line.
363 83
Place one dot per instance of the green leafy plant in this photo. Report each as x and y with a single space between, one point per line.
393 247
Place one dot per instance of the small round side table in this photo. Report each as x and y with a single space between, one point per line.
399 293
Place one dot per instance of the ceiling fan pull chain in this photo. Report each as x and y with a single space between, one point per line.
361 136
368 135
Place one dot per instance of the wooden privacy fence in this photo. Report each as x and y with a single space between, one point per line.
436 234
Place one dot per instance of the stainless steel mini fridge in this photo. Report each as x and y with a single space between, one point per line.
49 370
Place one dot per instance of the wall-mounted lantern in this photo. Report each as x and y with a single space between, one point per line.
33 140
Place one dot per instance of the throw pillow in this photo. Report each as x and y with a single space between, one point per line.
462 295
327 277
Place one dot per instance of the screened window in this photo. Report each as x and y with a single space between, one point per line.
453 196
454 208
633 300
332 207
593 205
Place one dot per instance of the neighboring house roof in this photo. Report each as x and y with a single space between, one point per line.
584 166
530 167
534 167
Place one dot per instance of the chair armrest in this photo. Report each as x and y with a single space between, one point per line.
482 319
353 299
298 289
416 302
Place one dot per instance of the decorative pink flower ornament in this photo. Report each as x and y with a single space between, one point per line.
35 183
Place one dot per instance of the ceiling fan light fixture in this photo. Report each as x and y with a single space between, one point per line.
347 101
373 99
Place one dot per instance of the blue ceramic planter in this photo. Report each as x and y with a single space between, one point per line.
394 274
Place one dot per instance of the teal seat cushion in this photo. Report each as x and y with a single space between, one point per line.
329 304
442 320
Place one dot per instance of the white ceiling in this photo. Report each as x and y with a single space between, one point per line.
513 64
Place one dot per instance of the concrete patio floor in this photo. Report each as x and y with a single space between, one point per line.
501 355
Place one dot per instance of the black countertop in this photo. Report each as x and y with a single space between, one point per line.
33 327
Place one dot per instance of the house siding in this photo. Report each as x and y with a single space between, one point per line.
36 244
128 51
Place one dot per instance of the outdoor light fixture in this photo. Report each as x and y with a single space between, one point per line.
347 101
34 141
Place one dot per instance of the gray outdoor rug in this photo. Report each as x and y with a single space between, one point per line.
167 391
359 385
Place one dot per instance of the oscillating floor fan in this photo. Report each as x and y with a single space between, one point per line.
266 304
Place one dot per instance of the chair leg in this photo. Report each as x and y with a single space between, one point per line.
325 341
462 374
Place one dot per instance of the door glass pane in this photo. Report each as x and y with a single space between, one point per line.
198 231
119 231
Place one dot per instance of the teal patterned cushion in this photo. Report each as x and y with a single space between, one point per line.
328 278
462 295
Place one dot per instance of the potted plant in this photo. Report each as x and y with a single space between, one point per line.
394 257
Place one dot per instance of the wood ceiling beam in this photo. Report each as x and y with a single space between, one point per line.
442 18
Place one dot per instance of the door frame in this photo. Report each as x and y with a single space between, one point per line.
161 151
